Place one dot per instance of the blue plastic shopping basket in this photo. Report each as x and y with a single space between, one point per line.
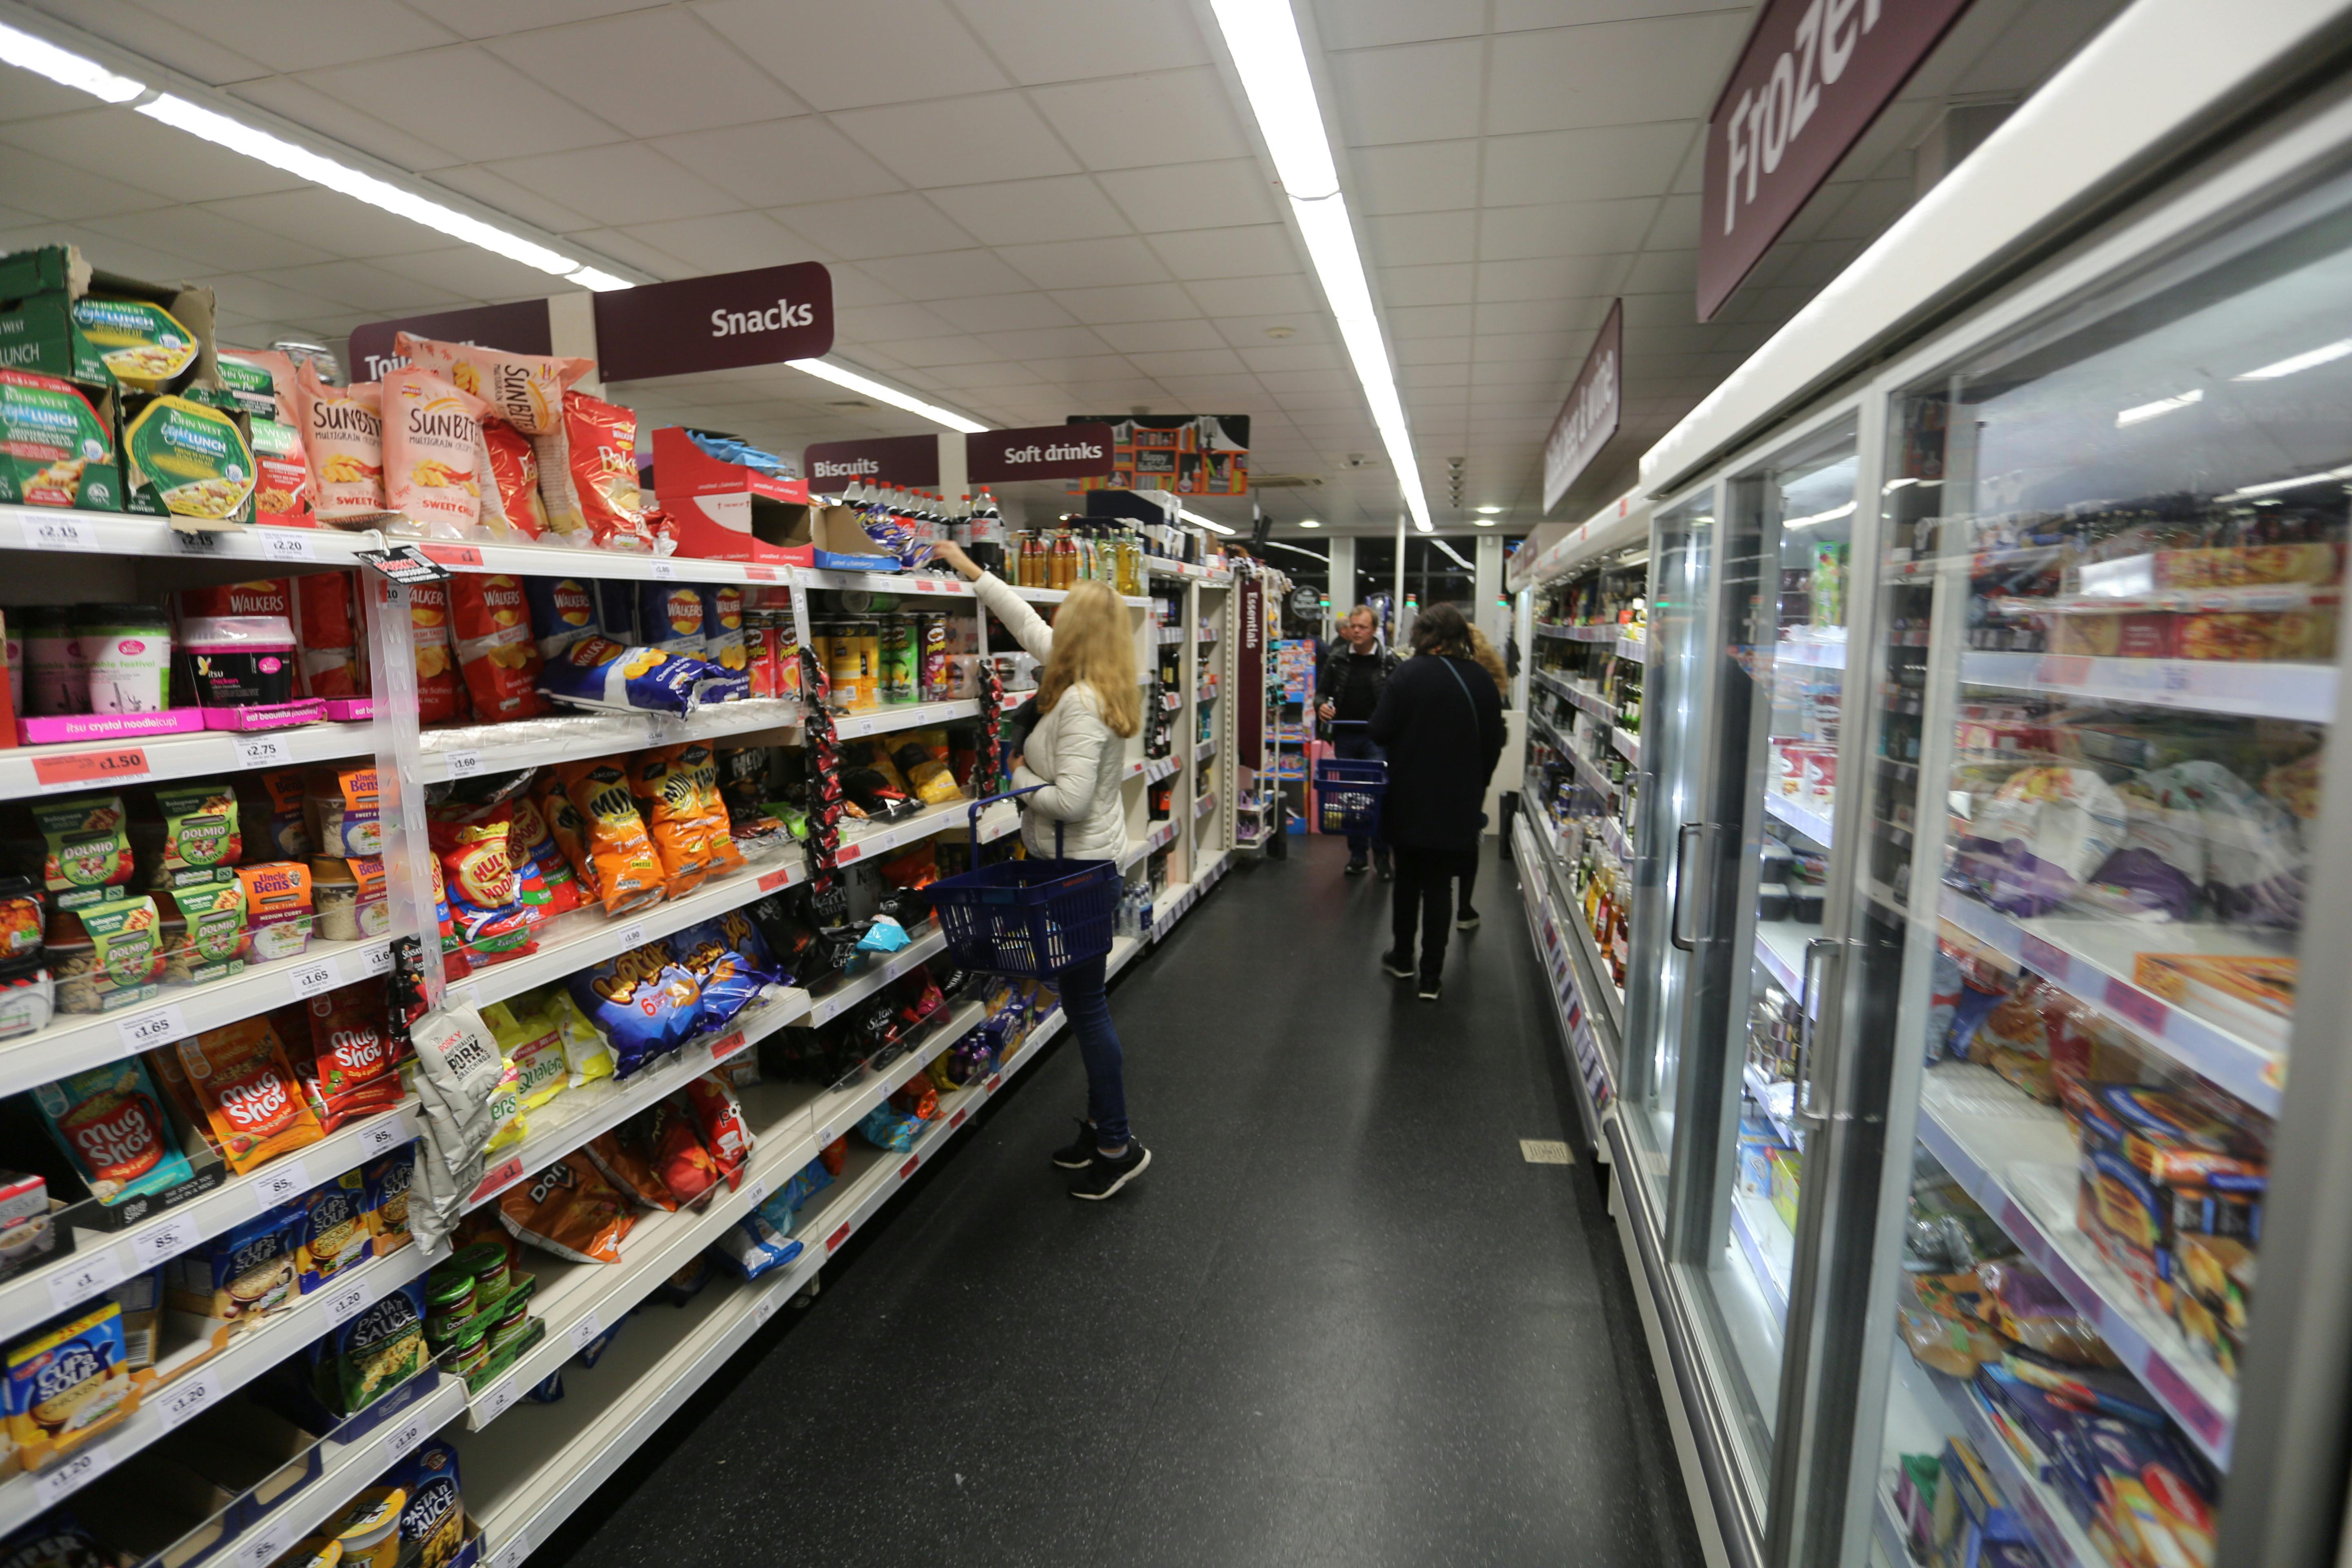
1347 794
1032 918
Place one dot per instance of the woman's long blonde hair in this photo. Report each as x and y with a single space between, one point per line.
1489 661
1094 644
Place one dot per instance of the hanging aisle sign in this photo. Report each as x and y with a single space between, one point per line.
1813 76
1043 452
1249 677
912 461
520 328
765 316
1595 404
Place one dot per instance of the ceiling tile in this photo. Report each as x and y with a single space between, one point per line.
858 286
1543 370
1422 239
144 155
1584 165
101 251
1663 272
1138 338
472 274
847 55
162 39
1427 284
959 141
1134 302
1615 73
870 227
1428 321
1190 362
439 97
1193 195
1308 380
357 286
1001 313
496 191
1435 176
1246 332
1565 228
1433 351
950 349
1276 357
206 239
889 323
1675 310
1068 40
1455 373
1547 314
1367 23
781 162
627 182
1255 296
1415 92
1023 345
494 18
330 116
725 242
630 250
49 189
946 275
1070 206
1132 122
1250 252
1085 263
302 35
267 301
982 379
1204 393
652 73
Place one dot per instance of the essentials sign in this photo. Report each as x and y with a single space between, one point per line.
1594 408
1813 76
1042 452
765 316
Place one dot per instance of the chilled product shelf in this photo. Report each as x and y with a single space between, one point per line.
1767 1246
1814 825
1820 653
1635 648
1589 770
81 768
2252 689
1781 949
1627 744
2056 1536
1763 1091
554 738
2017 1158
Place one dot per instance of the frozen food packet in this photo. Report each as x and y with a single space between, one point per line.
598 674
241 1075
111 1125
592 486
496 652
511 463
563 612
525 390
430 431
2254 860
343 434
568 1209
2039 839
2157 875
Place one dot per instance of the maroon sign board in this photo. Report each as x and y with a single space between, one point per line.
765 316
1814 76
521 329
1249 677
1595 407
1041 452
912 461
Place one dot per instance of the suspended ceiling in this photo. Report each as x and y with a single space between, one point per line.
1031 208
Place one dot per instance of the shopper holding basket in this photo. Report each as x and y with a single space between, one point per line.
1440 721
1349 682
1073 760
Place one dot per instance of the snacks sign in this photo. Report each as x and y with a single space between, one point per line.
765 316
1046 452
1591 416
1814 76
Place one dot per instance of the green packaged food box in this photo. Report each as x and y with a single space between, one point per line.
128 938
59 316
56 448
144 346
189 462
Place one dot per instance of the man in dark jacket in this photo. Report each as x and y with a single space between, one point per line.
1350 680
1440 721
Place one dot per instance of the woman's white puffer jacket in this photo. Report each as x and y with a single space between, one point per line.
1071 752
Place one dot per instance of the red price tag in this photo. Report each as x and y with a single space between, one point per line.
914 1163
996 1081
725 1046
2132 1002
848 852
776 881
92 767
2041 958
452 554
957 1119
760 573
832 1243
2063 669
2173 1389
499 1179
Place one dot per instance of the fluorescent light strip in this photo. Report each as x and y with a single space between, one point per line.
1263 38
63 66
2308 360
1456 557
840 375
1208 523
2160 408
1277 545
1830 516
2274 486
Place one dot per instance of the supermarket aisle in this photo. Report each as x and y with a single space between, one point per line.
1340 1320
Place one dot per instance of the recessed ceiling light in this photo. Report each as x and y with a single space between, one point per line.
1486 510
1486 522
1308 522
1282 332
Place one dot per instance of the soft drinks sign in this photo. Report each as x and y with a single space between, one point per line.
1040 452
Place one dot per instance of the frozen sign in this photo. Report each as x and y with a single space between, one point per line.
1042 452
1591 415
1814 76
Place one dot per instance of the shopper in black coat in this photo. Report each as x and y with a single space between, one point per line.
1440 721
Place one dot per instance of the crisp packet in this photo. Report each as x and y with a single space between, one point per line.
622 862
527 391
563 612
569 1209
592 484
644 1002
431 472
343 434
111 1124
670 617
496 651
667 799
586 1057
513 481
730 961
598 673
439 697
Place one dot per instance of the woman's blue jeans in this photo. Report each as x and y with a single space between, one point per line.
1089 1009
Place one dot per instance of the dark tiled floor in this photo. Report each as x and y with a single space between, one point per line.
1340 1320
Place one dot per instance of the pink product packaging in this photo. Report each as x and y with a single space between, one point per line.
265 716
351 708
64 729
1821 772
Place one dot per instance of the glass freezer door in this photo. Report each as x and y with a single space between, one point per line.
2104 666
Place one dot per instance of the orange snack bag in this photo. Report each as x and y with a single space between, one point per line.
699 763
667 794
496 651
514 472
566 826
624 864
570 1210
342 435
438 699
241 1076
431 433
524 390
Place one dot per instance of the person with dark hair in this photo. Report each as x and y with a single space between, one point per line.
1440 719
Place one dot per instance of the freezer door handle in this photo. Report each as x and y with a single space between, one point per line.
1809 1004
1682 876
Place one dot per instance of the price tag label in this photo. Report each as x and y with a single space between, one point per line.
381 1136
832 1243
319 975
584 1332
957 1119
776 881
196 542
166 1240
97 1270
114 763
262 752
2172 1388
726 1045
377 960
282 544
59 534
494 1403
633 936
339 1306
511 1554
996 1081
664 571
91 1461
185 1398
269 1541
499 1179
149 1030
824 1136
756 1190
276 1181
759 574
401 1439
2136 1005
452 554
463 764
765 1309
2042 957
849 852
914 1163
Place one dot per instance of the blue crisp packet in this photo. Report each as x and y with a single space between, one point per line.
886 1129
758 1243
884 935
730 959
643 1002
735 449
804 1184
563 612
599 673
670 617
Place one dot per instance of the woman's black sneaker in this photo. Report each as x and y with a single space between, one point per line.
1079 1153
1106 1175
1399 965
1429 989
1358 865
1467 920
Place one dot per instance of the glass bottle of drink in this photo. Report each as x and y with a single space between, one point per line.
988 535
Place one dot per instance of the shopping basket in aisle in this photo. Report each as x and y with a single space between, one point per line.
1347 794
1031 918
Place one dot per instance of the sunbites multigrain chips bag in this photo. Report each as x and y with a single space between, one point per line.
342 435
432 454
525 390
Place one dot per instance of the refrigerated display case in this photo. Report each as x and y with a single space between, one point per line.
1984 813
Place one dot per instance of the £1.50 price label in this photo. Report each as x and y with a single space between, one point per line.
109 763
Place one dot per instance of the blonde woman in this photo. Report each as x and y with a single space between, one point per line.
1466 918
1087 706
